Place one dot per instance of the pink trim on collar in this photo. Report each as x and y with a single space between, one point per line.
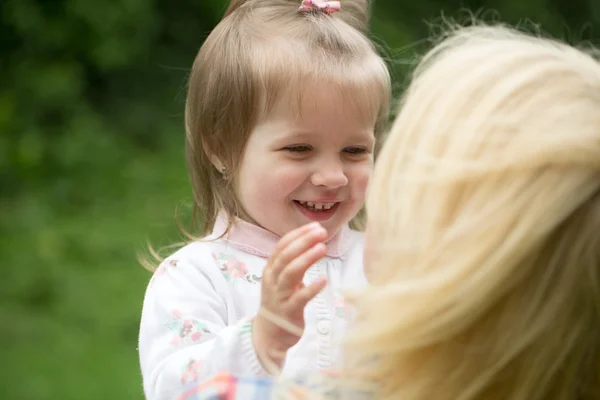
261 242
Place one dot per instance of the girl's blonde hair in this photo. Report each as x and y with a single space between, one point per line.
260 51
484 212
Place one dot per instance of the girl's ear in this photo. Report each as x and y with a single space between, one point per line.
216 162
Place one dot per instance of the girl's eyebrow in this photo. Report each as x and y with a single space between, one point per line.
295 134
358 136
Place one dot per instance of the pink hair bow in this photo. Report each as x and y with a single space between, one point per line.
319 5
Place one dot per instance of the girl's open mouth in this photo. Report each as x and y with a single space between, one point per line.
317 211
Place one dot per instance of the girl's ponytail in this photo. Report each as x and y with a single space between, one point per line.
355 13
234 5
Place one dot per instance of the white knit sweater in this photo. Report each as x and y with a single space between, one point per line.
198 308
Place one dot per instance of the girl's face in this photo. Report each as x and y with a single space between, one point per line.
308 166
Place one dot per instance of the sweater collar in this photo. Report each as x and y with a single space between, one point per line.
259 241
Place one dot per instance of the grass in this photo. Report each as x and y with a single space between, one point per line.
72 289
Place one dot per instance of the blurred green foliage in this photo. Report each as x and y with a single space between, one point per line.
91 166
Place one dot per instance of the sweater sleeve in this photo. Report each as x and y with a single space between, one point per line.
185 336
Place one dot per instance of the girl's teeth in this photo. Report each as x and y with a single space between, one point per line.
317 206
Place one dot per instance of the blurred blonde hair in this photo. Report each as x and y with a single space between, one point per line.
484 215
261 50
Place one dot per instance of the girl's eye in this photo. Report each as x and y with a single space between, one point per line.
302 148
355 150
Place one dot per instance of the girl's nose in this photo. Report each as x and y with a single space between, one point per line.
330 175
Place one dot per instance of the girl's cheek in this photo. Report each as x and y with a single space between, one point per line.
362 178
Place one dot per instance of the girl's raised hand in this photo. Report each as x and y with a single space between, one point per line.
283 295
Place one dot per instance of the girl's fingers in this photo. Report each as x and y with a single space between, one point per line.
293 235
291 275
287 239
295 248
303 296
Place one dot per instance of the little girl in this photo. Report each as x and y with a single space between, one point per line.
285 106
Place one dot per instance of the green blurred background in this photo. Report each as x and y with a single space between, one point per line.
91 167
